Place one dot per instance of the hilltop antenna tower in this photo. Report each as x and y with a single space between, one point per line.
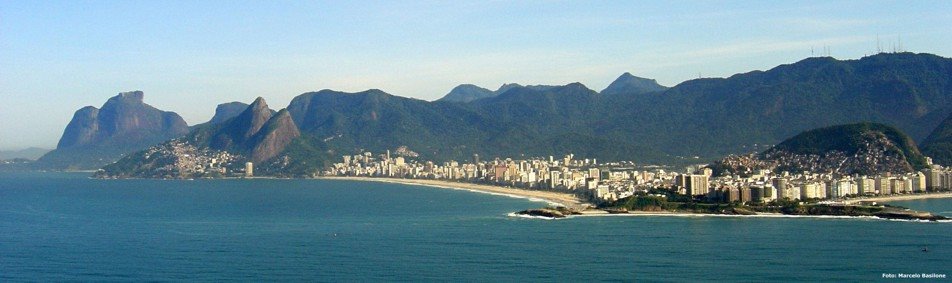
879 46
900 43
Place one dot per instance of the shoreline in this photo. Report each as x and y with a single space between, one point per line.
759 215
562 199
887 199
584 209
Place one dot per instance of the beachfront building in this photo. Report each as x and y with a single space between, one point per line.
611 181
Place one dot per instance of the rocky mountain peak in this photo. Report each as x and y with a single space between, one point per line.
506 87
630 84
123 124
259 103
81 129
467 93
226 111
276 134
254 117
134 96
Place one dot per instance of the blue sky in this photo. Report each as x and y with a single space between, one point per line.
188 56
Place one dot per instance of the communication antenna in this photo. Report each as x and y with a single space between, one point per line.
879 47
900 43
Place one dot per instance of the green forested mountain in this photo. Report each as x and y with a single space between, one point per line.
374 120
848 139
861 148
853 139
467 93
696 121
938 144
628 84
714 117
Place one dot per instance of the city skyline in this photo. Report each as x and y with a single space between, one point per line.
188 57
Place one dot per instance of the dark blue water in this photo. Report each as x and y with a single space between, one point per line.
56 226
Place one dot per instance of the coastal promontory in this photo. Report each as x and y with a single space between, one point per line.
99 136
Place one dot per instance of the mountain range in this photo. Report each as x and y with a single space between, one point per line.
31 153
255 134
633 119
468 92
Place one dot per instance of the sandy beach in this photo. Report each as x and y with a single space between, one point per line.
564 199
901 197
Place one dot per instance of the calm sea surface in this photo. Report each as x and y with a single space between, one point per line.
64 226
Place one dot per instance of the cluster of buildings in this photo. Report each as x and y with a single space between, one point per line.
765 186
584 177
179 158
15 161
612 181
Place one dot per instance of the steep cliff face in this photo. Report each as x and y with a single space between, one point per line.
254 118
127 116
274 136
213 149
124 124
256 132
236 133
226 111
82 129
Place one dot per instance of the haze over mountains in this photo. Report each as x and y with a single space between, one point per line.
31 153
632 119
99 136
227 111
468 92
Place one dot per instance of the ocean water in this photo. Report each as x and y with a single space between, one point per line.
66 227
